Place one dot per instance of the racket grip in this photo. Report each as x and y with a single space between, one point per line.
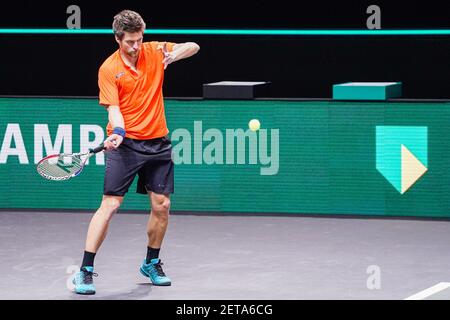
97 149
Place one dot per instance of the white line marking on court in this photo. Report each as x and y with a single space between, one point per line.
430 291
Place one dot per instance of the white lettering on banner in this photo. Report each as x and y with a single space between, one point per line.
273 160
198 142
181 152
213 153
240 136
13 133
42 136
236 146
85 144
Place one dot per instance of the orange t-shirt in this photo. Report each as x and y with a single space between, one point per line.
139 95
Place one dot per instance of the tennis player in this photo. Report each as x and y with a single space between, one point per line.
131 82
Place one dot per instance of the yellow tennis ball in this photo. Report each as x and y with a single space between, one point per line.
254 124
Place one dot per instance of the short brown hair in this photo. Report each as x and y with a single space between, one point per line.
127 21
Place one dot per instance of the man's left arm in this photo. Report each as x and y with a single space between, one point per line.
179 51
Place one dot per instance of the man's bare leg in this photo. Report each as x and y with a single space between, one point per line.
98 227
97 231
159 219
156 229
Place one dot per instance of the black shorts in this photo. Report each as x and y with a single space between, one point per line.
150 159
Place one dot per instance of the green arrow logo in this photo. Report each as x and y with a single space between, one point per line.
402 154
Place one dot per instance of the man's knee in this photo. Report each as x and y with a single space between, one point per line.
110 205
160 204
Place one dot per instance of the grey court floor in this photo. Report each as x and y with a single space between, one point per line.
230 257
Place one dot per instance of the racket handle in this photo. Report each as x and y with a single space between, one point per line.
100 148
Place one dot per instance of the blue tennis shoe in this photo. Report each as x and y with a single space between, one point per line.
154 271
83 281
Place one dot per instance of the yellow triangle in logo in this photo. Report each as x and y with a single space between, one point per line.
412 169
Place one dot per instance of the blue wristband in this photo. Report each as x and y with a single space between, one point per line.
120 131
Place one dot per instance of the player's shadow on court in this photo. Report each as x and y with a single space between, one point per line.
141 291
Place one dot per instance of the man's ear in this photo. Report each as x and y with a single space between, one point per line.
117 40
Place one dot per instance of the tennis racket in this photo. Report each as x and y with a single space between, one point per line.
65 166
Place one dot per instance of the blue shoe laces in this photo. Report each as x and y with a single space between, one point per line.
87 276
159 269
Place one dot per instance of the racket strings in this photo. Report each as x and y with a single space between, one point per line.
60 168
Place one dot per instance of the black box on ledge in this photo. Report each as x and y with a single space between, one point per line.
239 90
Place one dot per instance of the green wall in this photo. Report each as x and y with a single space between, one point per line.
326 157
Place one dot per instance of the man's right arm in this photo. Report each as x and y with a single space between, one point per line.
116 120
